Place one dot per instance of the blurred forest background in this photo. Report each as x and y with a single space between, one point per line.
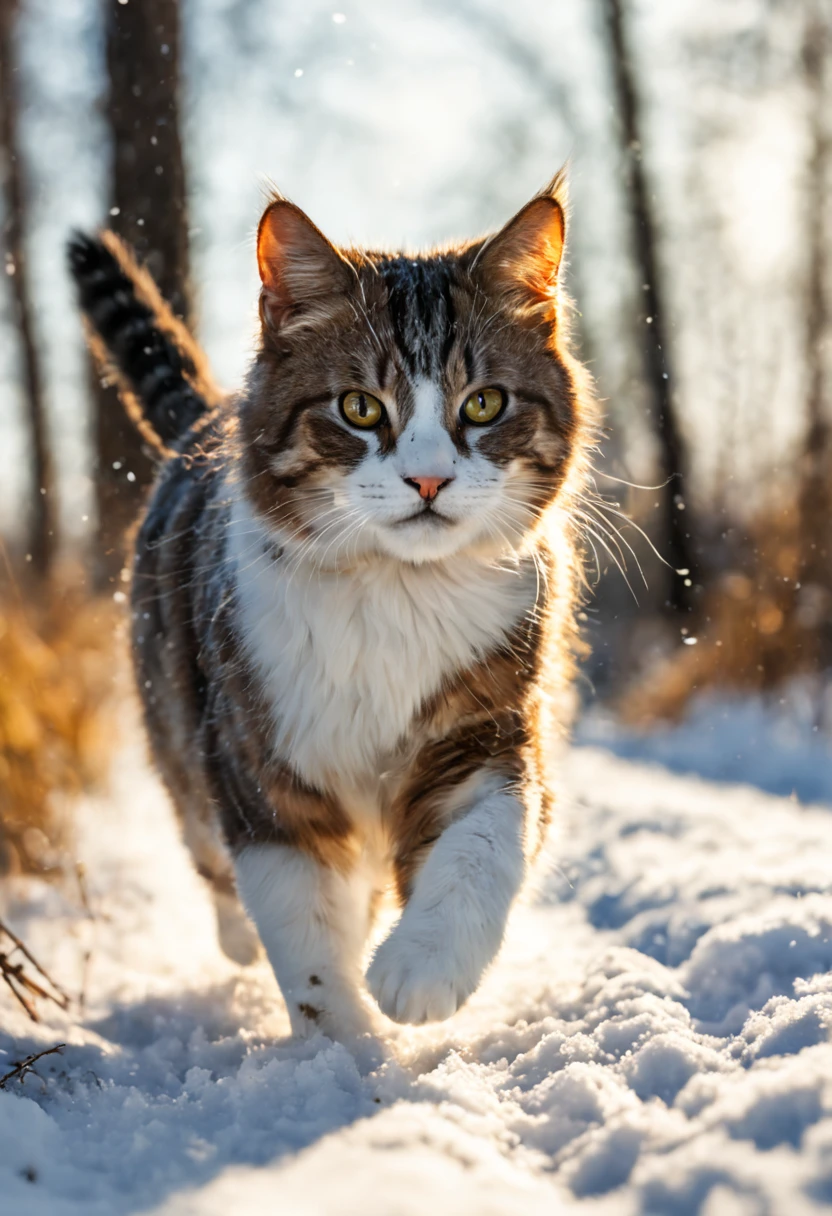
700 139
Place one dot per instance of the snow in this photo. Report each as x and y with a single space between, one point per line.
654 1037
781 744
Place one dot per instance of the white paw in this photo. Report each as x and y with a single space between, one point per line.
333 1009
415 976
237 935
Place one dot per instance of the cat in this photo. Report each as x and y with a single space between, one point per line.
354 595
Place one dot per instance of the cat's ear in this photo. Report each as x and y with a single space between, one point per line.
522 261
303 275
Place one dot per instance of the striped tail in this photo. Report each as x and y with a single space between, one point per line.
161 372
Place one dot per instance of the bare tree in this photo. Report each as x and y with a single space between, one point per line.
148 208
678 517
42 505
816 471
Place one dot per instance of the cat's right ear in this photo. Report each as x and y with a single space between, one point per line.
521 262
303 275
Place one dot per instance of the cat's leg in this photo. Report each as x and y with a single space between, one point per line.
453 923
237 936
200 830
313 922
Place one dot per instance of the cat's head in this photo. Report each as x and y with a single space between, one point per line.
411 405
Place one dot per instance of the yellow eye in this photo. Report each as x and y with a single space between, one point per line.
484 406
362 409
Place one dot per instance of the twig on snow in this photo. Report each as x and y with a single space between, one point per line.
23 1067
23 986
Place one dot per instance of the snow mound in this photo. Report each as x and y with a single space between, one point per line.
653 1039
780 744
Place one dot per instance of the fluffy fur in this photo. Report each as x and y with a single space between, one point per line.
354 643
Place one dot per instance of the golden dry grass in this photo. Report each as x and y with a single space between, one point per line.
57 673
759 628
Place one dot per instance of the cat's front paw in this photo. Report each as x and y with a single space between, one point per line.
415 976
337 1013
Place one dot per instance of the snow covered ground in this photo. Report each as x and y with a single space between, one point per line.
653 1039
781 745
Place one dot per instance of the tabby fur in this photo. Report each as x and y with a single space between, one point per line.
351 681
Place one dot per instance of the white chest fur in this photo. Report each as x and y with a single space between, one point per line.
347 659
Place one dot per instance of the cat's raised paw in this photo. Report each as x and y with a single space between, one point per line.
415 980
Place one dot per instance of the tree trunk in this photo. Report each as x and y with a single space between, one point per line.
148 208
41 523
816 472
678 519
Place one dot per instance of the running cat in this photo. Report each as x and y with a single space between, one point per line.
353 595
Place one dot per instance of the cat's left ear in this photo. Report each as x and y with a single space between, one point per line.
304 276
522 260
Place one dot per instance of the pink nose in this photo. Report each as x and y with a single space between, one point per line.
428 487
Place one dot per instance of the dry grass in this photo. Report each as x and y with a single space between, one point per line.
759 628
21 1069
17 965
57 667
